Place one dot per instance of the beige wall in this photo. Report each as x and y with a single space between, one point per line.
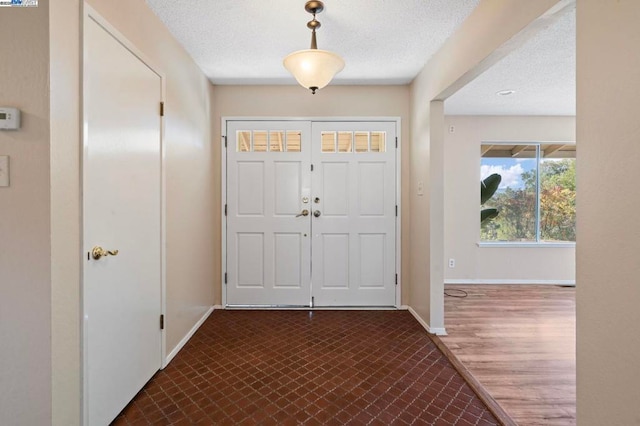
332 101
462 231
190 230
608 248
25 295
492 30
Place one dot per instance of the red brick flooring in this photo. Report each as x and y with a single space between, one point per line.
311 368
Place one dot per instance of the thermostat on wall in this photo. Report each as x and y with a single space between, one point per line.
9 118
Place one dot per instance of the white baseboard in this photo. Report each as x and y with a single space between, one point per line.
217 307
525 282
190 334
440 331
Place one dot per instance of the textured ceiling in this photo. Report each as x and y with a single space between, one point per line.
244 41
542 73
382 42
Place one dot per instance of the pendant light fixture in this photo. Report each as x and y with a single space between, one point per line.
313 68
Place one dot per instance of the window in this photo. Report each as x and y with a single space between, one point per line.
272 141
536 198
353 141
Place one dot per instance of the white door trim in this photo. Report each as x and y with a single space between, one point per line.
223 139
88 13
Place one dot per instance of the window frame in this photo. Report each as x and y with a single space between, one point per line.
537 243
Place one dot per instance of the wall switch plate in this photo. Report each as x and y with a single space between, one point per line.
420 188
4 170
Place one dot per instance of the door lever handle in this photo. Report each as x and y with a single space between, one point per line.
97 252
304 212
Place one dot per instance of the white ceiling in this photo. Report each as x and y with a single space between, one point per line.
542 73
382 42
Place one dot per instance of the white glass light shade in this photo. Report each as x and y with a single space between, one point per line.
313 67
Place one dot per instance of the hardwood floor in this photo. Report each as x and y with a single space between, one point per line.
519 342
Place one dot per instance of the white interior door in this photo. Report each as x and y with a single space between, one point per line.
343 174
354 213
268 240
122 211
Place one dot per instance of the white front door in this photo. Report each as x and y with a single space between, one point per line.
268 239
311 213
354 224
122 211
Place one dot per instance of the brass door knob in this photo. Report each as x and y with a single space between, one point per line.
304 212
97 252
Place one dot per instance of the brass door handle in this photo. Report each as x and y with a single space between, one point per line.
97 252
304 212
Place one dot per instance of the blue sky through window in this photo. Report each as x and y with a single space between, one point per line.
510 169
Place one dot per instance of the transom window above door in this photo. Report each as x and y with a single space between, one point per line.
360 141
268 140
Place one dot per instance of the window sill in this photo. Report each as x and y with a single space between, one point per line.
505 244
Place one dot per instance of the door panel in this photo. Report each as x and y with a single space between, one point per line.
354 236
122 211
333 188
250 201
268 245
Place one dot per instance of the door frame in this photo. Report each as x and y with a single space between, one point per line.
223 198
90 14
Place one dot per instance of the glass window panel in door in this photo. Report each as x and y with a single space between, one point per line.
328 141
243 138
294 139
345 141
378 141
276 141
362 141
260 140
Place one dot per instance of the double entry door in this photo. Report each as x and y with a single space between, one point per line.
311 213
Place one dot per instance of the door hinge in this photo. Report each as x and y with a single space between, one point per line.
225 277
161 322
225 141
161 109
312 167
396 141
396 279
396 210
225 209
